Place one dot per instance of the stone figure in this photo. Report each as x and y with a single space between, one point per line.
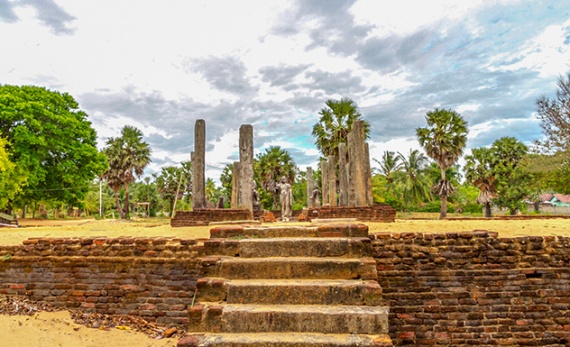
286 199
255 198
221 202
315 200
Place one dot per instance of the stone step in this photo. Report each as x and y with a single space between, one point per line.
289 268
290 292
291 247
285 340
304 292
305 318
325 230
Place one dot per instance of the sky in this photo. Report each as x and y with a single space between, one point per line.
161 65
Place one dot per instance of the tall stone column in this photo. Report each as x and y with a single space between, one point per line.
198 158
368 173
309 178
245 194
343 183
324 182
235 184
357 155
331 171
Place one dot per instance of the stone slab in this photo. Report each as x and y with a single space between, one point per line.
305 318
293 267
305 247
289 339
304 292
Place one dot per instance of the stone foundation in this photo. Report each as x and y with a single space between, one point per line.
375 213
203 216
451 289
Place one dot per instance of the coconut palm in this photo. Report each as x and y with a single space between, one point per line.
335 124
271 166
479 172
128 156
443 140
415 185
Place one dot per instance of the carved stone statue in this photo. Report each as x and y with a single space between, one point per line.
286 199
255 198
315 200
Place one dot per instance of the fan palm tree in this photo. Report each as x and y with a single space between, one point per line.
443 140
334 125
128 156
389 165
415 184
271 166
479 172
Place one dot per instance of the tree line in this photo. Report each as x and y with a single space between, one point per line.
49 159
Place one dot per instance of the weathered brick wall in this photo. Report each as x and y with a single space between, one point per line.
475 289
203 216
374 213
151 277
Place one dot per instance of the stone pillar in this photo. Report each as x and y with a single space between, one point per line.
235 185
245 193
331 171
324 182
343 183
368 173
357 156
309 179
198 158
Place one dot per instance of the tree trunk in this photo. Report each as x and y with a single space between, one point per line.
126 201
513 212
119 208
488 210
443 213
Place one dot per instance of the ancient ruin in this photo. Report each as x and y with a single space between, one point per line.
198 159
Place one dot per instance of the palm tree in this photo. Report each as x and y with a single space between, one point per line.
128 156
479 172
389 165
443 140
271 166
414 183
335 124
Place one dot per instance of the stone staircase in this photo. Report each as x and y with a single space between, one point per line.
288 286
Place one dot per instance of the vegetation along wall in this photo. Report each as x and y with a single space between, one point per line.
453 289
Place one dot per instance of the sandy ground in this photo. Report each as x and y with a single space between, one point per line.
53 329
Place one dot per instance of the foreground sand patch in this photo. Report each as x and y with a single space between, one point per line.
51 329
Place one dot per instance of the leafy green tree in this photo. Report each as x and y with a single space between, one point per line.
415 185
479 172
226 179
174 183
335 123
444 140
128 156
269 167
51 142
554 116
299 189
11 178
551 171
147 192
389 165
512 177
